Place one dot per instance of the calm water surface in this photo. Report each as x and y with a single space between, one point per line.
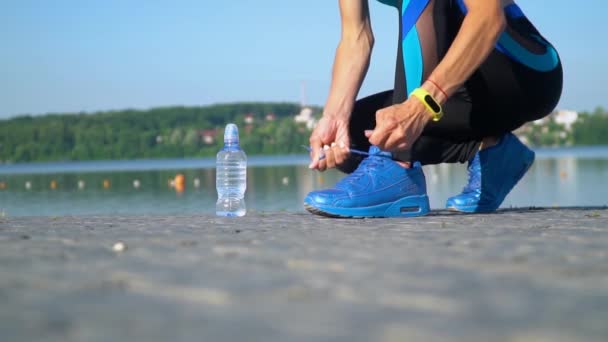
559 177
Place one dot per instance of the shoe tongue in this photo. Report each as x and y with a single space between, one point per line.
375 150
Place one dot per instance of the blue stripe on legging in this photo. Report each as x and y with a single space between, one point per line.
412 58
411 48
514 11
514 50
543 63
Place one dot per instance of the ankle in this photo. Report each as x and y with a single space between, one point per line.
405 165
488 142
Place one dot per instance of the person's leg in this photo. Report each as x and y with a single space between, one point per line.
520 81
516 84
487 106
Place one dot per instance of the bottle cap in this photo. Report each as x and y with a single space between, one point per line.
231 134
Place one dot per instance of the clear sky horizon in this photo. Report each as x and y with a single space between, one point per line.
73 56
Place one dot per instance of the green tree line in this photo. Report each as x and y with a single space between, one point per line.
171 132
590 128
176 132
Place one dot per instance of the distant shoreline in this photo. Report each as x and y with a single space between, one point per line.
91 166
144 164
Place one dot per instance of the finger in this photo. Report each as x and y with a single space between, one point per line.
379 137
322 160
330 158
368 133
319 162
340 153
315 154
321 165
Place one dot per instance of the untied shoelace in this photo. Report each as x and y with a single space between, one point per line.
352 150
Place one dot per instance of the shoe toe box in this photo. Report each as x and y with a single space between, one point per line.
462 201
325 197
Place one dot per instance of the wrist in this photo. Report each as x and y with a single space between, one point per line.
340 113
336 116
435 90
432 105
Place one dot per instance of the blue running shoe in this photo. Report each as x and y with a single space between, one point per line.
379 187
493 173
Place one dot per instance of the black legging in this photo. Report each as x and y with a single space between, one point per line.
505 92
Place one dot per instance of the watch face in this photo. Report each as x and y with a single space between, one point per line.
434 105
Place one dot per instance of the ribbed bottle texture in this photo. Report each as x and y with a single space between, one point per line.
231 175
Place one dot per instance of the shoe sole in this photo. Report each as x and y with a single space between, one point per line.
411 206
492 208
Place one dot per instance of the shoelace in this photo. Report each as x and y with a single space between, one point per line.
369 163
474 182
351 150
364 168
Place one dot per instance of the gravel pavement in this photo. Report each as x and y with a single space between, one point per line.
516 275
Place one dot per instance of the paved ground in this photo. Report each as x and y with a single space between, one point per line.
520 275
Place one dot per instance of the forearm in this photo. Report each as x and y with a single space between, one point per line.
478 35
350 66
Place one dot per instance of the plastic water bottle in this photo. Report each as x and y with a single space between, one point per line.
231 175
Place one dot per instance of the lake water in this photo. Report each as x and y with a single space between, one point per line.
559 177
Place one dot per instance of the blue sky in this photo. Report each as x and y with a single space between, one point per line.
75 55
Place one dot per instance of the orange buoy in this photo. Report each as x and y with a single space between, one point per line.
180 182
2 185
53 184
180 178
106 184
